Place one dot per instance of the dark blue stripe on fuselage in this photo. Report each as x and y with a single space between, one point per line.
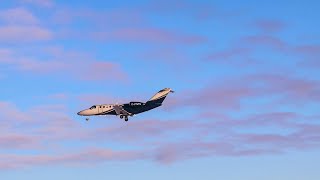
143 107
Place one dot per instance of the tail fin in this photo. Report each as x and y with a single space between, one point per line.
160 96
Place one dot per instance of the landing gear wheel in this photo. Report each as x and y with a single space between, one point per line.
121 116
87 119
126 118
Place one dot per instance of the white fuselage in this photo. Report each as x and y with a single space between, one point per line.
97 109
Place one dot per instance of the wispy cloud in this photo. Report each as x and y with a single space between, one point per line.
149 35
230 93
40 3
18 15
269 25
13 34
149 139
265 41
21 26
76 65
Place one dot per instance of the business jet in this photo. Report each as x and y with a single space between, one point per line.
129 109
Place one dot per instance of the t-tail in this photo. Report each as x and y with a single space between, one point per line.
158 98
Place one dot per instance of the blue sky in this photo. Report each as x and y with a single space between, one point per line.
246 76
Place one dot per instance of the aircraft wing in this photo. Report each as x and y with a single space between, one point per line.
120 111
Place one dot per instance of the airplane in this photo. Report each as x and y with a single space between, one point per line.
129 109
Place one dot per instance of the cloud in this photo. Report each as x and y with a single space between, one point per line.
149 35
200 11
14 34
111 19
5 55
19 16
92 156
269 25
76 65
122 25
265 41
309 55
100 70
163 141
21 26
229 53
40 3
236 55
230 94
293 90
310 50
9 110
18 141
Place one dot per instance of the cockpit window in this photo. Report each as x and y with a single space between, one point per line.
93 107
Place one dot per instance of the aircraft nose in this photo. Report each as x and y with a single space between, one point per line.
80 113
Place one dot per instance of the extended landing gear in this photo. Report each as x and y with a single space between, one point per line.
125 117
87 119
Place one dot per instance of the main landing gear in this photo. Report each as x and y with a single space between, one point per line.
87 119
125 117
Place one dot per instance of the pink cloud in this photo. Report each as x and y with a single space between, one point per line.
17 16
240 56
299 140
113 18
265 40
5 55
18 141
269 25
135 133
75 65
238 144
129 25
310 54
11 111
174 152
220 96
229 94
40 66
227 54
92 156
149 35
102 70
152 139
197 11
294 90
312 50
41 3
12 34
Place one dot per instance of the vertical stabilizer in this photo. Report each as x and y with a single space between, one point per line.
159 97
